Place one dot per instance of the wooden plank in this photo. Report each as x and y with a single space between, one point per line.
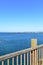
35 57
42 54
8 62
20 59
24 59
27 59
18 53
12 61
17 60
33 43
2 62
39 56
30 58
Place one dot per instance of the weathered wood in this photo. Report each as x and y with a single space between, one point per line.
30 58
24 59
12 61
17 60
42 55
35 57
2 62
39 57
27 59
18 53
8 62
33 43
20 59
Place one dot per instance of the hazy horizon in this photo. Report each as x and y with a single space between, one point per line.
23 32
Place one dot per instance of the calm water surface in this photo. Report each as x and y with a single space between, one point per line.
11 42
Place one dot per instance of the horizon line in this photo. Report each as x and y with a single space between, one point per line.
23 32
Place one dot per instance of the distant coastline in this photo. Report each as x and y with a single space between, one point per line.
20 32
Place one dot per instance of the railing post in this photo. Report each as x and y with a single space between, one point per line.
42 55
27 59
17 60
24 59
8 62
33 43
12 61
2 62
20 59
34 59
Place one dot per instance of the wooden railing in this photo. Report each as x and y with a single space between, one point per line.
30 56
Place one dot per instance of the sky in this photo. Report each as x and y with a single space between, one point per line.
21 15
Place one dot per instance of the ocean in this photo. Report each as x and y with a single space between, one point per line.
12 42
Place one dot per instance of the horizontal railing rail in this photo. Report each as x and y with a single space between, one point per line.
30 56
19 53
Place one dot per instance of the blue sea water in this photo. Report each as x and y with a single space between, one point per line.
12 42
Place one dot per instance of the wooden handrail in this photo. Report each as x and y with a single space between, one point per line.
11 55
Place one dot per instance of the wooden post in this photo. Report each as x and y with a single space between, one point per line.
12 61
34 52
42 54
30 58
8 62
2 62
20 59
24 59
17 60
27 59
33 43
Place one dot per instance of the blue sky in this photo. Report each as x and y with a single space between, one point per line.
21 15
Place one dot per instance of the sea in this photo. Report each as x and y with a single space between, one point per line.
12 42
